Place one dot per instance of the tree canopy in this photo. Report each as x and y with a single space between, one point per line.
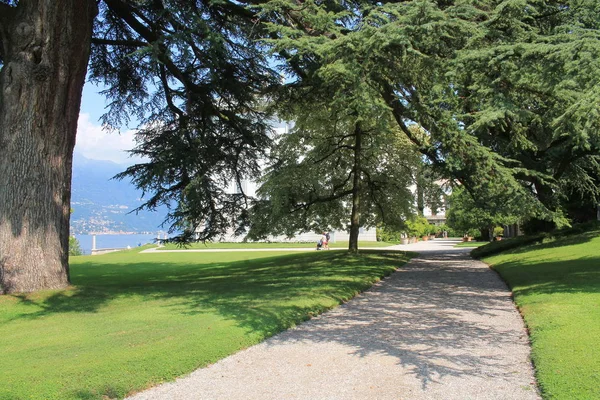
504 92
524 86
191 72
466 214
195 76
501 89
337 169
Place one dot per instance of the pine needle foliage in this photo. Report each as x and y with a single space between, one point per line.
505 91
526 85
193 75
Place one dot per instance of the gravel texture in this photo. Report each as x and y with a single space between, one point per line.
441 327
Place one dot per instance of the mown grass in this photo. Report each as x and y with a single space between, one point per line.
265 245
133 320
471 244
556 285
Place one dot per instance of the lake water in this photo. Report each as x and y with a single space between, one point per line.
114 241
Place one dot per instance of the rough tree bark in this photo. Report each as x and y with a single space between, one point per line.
45 51
355 215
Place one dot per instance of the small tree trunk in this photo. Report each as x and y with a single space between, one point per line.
485 233
355 215
420 195
46 50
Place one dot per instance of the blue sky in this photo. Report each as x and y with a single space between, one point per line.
92 140
96 143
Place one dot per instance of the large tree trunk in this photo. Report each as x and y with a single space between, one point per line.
355 215
45 50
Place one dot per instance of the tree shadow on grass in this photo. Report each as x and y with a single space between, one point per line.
581 238
259 293
580 275
524 244
558 241
417 316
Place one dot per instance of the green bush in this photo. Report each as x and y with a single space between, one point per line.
450 231
74 247
473 232
418 226
433 229
385 234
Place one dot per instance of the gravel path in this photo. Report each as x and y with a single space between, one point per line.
442 327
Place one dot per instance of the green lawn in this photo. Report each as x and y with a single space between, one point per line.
264 245
557 288
471 244
134 320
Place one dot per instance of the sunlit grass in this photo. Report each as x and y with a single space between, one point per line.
557 288
274 245
134 320
471 244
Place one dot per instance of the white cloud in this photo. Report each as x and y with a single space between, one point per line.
98 144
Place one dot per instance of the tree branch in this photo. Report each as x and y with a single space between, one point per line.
332 152
168 94
240 11
126 12
549 14
398 112
307 205
342 184
567 161
126 43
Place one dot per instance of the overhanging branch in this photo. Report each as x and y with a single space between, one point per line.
398 112
124 11
125 43
332 152
127 13
308 204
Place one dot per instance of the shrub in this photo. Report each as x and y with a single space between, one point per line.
498 231
433 229
74 247
385 234
475 233
418 226
450 231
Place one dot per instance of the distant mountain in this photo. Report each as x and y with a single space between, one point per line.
101 204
